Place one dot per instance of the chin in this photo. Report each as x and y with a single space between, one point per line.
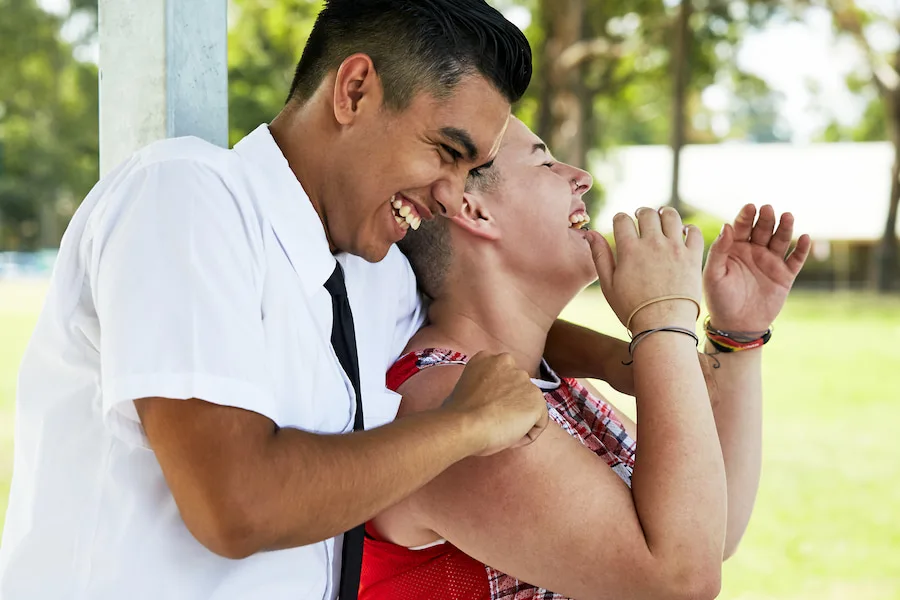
373 253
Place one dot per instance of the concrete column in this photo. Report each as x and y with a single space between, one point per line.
163 73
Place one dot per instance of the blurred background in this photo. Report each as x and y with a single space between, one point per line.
704 105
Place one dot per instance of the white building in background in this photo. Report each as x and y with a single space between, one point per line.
838 193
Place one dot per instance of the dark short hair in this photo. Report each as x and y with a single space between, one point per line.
416 45
430 248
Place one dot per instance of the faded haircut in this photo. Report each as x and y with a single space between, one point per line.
416 45
430 248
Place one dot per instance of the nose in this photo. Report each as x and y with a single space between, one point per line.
581 180
448 193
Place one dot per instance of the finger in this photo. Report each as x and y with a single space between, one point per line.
765 226
672 226
537 429
648 221
717 260
798 257
624 229
781 241
603 258
743 224
693 238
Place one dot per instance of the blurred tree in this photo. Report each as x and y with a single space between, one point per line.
601 66
265 41
48 127
861 25
683 39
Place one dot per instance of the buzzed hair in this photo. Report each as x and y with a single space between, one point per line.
416 45
430 248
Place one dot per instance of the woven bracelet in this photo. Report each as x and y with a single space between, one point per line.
735 341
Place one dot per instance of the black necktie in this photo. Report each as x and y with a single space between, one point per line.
343 338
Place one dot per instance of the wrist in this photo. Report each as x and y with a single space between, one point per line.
677 313
470 432
737 325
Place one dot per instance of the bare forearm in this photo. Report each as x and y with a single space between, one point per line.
255 487
323 498
575 351
737 408
679 478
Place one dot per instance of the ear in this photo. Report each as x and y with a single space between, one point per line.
356 84
476 219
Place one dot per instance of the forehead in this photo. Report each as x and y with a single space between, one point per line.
519 143
474 107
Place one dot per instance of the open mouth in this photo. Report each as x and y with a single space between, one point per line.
579 220
405 212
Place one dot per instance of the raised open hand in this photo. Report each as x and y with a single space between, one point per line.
749 272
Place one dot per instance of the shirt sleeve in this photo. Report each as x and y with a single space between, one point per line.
176 272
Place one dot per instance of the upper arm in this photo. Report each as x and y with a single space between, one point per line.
551 513
175 272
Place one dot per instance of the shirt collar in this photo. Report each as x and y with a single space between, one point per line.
291 214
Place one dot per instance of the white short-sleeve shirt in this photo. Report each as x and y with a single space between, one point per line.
190 271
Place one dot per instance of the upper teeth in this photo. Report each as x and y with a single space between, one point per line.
405 214
579 219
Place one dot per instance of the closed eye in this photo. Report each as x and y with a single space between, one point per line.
549 165
451 152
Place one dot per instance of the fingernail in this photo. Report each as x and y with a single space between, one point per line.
722 232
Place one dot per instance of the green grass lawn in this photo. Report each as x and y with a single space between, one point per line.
827 521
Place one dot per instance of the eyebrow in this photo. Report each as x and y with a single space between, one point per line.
462 138
540 146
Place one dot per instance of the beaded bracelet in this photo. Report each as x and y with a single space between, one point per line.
645 334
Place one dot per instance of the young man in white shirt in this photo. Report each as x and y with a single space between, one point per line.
180 405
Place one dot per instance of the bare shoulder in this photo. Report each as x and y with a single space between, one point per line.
430 387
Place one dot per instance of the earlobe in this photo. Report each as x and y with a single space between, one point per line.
476 219
354 84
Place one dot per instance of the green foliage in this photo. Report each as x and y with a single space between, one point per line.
48 127
265 41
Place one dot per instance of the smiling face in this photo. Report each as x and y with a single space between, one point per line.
534 211
394 169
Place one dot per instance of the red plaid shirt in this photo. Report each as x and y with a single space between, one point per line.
391 572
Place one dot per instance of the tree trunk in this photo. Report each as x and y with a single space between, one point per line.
887 255
887 265
561 116
680 60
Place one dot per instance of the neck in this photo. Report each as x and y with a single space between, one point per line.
495 314
301 138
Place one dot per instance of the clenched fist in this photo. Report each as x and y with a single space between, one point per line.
506 408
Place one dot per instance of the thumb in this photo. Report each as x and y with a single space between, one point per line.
603 258
717 259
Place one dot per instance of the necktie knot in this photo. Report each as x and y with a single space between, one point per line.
335 284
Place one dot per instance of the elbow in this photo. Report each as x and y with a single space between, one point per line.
229 541
697 582
229 531
730 551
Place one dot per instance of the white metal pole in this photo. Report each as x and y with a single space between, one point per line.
163 73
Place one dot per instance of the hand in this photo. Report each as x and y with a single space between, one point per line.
508 409
747 276
658 261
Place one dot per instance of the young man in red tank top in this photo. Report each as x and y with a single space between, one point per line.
577 514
